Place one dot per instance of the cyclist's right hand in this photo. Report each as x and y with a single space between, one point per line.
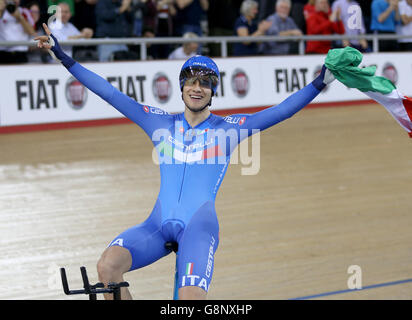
50 42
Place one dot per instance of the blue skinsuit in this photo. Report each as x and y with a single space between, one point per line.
193 162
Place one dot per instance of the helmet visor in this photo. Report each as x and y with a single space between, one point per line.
207 78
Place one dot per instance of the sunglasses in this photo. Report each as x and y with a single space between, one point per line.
206 78
205 81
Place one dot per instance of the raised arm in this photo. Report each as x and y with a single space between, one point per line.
266 118
130 108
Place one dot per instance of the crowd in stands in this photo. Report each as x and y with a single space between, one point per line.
21 20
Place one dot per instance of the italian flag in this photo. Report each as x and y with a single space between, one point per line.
398 105
343 63
189 268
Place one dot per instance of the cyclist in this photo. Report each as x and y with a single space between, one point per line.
194 153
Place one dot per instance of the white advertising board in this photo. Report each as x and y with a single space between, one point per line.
36 94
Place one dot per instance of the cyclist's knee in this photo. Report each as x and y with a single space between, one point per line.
113 263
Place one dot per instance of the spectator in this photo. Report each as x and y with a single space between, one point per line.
322 23
354 25
166 10
138 8
366 12
296 14
222 15
153 16
385 17
245 26
150 15
35 12
64 30
405 11
34 9
151 49
187 50
42 4
35 54
281 25
114 20
85 18
265 9
85 14
308 9
16 24
190 13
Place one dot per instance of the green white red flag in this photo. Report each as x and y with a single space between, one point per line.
343 63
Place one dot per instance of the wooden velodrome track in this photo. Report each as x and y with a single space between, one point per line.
333 190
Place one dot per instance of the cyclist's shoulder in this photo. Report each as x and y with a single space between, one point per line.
159 115
152 118
150 110
233 120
